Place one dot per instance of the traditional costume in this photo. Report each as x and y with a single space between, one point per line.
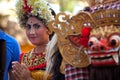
36 63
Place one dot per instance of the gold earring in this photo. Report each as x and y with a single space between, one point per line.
48 32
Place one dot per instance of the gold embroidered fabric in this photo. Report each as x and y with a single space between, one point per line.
39 75
36 64
33 61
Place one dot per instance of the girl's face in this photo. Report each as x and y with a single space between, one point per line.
36 31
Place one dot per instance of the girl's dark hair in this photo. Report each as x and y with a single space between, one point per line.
55 71
52 11
54 14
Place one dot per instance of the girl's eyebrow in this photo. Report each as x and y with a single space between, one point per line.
31 23
36 24
28 25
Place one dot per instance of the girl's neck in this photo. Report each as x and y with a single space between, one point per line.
39 49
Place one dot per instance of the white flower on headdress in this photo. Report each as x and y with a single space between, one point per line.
34 7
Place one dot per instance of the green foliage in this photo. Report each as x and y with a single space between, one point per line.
67 5
4 0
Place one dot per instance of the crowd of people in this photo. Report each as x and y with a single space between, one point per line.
59 52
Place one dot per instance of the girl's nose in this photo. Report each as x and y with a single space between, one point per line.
32 31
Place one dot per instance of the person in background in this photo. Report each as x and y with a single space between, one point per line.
11 52
33 16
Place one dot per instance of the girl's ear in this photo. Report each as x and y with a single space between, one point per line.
48 32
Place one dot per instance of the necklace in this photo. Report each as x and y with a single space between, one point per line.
34 61
37 51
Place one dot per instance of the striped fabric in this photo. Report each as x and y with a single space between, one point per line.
73 73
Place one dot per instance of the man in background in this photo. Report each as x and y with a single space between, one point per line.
10 52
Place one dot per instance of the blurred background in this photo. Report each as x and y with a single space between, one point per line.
9 23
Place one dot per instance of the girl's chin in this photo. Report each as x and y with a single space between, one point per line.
35 43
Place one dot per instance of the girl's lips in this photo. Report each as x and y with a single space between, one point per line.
32 37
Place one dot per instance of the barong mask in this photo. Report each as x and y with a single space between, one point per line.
104 41
90 37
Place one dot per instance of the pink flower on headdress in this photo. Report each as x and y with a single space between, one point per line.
26 7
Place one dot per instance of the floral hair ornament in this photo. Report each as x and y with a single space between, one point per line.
38 8
26 7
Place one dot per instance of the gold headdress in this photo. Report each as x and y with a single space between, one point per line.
37 8
105 13
69 29
99 2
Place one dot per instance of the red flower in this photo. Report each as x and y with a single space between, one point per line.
26 7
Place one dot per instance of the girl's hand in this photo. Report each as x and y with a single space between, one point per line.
20 71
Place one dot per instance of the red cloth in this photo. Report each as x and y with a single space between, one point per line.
73 73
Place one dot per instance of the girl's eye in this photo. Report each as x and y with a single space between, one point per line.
114 41
28 26
92 41
36 26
